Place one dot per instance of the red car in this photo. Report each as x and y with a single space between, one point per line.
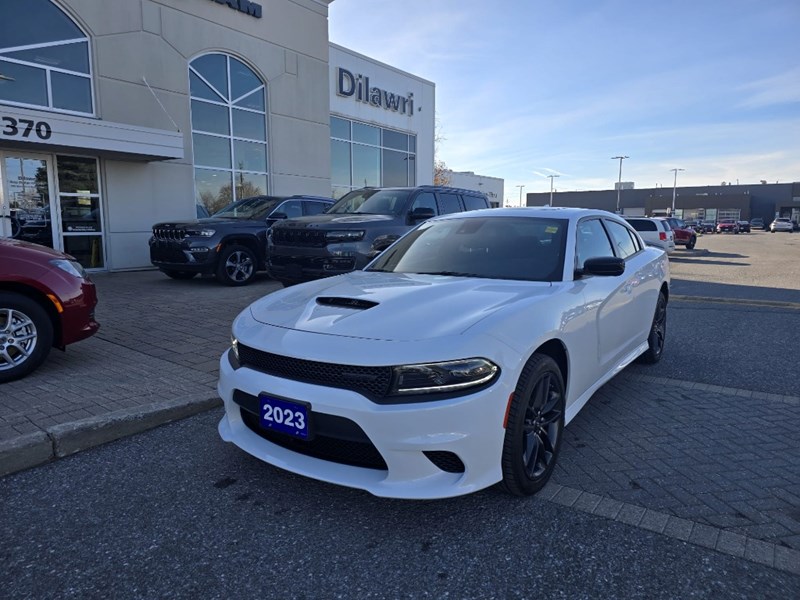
46 300
684 235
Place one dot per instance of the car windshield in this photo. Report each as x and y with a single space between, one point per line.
379 202
520 248
250 208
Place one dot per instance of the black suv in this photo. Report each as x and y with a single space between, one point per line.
231 243
357 228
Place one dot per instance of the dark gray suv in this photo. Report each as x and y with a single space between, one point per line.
357 228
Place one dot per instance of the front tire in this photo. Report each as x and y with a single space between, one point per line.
26 335
658 333
534 427
237 266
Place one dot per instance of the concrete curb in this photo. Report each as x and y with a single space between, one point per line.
37 448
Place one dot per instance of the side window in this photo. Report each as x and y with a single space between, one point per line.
474 202
623 242
643 225
291 208
592 242
313 207
425 200
448 203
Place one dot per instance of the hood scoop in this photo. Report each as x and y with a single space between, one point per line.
354 303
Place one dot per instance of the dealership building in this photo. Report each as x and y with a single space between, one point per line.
714 202
117 114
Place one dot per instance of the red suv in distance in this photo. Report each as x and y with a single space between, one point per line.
46 300
684 235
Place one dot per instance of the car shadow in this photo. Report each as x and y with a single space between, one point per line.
687 287
701 261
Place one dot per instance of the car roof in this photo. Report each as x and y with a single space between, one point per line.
546 212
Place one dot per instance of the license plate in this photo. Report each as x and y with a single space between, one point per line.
285 416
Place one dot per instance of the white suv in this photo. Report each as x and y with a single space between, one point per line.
655 232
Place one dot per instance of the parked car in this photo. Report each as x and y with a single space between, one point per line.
357 228
655 231
744 226
758 223
727 226
445 366
46 300
683 234
781 224
708 226
231 244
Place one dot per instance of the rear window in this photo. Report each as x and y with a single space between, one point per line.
643 225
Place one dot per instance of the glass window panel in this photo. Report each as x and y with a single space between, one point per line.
213 189
366 166
37 22
315 208
210 117
340 162
250 184
254 101
340 128
425 200
395 168
243 79
395 139
23 84
214 69
448 203
201 90
77 175
73 57
250 156
366 134
71 92
622 239
87 250
80 214
211 151
291 208
249 125
412 143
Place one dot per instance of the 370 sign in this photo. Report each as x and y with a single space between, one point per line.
25 128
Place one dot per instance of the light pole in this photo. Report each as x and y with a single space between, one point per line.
674 189
619 181
520 194
551 187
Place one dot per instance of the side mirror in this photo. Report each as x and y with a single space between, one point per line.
604 266
421 213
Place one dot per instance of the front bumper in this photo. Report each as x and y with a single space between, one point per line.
469 427
183 256
306 264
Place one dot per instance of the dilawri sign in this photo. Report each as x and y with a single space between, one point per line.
245 6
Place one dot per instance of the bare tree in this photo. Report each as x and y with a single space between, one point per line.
441 174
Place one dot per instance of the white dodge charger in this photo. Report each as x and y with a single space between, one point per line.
454 360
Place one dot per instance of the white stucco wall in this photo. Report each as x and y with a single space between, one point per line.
491 186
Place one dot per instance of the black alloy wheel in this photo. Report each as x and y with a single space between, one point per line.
179 274
658 333
534 427
26 335
237 266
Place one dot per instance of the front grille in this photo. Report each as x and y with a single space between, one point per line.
336 439
308 238
446 461
371 381
169 234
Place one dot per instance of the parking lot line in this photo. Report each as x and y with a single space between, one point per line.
738 301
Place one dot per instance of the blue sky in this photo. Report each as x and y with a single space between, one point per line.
528 88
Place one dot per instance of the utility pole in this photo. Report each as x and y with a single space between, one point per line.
520 194
551 187
619 181
674 189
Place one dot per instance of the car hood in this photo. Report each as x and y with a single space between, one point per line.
23 248
326 221
207 222
393 306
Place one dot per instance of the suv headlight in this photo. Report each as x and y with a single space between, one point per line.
72 267
350 235
442 377
200 232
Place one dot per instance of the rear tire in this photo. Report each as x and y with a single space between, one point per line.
26 335
692 242
658 333
534 427
237 266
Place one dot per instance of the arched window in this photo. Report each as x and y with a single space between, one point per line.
44 58
229 130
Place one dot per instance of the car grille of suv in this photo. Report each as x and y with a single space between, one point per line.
373 382
335 438
163 234
286 236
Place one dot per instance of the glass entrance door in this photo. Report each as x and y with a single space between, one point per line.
27 208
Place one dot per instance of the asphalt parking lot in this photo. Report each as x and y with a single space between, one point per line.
702 448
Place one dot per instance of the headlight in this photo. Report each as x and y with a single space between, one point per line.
72 267
344 236
442 377
200 232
